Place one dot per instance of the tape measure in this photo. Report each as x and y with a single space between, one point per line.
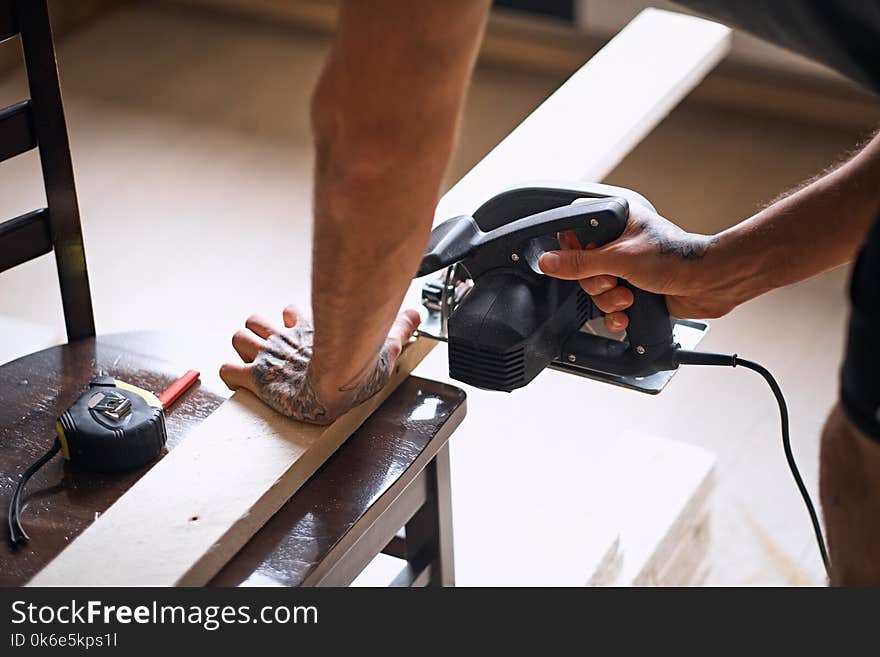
113 427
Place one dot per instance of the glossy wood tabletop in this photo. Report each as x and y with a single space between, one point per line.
61 500
417 418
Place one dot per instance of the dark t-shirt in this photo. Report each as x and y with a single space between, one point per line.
844 35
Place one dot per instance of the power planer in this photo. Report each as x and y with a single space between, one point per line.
505 321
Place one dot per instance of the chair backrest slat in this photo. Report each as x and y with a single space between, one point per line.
16 130
40 122
24 238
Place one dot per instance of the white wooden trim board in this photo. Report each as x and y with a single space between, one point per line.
602 112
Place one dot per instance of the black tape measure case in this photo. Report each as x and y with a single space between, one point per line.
113 427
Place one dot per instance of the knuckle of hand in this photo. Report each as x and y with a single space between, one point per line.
602 284
621 298
592 286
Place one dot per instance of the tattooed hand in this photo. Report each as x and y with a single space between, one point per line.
653 254
277 367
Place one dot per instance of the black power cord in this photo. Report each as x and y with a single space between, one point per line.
687 357
17 534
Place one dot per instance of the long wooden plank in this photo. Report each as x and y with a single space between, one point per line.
186 517
598 116
549 519
198 506
662 494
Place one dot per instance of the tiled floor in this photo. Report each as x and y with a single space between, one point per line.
191 146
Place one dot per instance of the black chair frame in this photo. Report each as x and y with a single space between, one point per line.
38 122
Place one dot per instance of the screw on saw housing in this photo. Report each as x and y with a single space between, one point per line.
513 321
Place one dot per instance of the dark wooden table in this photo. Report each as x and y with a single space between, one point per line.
393 473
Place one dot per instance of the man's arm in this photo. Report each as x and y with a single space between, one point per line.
816 228
384 114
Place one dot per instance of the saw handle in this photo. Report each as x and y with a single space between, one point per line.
596 220
650 326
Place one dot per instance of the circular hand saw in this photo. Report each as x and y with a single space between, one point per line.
505 321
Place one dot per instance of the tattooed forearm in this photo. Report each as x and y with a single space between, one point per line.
375 380
364 372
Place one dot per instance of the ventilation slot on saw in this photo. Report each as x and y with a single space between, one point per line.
584 308
486 369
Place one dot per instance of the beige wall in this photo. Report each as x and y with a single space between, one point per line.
66 17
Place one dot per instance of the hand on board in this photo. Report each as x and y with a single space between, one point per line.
652 254
276 367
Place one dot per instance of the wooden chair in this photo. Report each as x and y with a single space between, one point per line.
354 507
